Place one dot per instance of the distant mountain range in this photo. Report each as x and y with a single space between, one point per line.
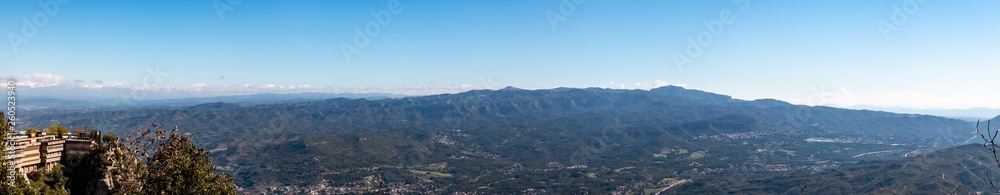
515 141
30 102
36 99
966 114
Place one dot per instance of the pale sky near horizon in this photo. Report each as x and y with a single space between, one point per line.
906 53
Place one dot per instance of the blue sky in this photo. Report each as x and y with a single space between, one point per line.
810 52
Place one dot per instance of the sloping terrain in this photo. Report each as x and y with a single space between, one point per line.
957 170
529 141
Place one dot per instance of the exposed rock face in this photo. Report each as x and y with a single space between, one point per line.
102 186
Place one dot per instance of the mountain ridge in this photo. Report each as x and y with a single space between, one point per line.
486 136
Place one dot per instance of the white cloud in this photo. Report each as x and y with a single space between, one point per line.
41 80
91 86
55 81
641 85
303 86
614 85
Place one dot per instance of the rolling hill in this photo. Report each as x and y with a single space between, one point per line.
956 170
528 141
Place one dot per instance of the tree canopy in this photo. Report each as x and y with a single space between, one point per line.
57 130
147 162
161 162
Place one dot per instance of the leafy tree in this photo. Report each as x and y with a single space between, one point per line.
32 131
155 162
50 182
109 138
93 135
180 167
81 130
126 170
57 130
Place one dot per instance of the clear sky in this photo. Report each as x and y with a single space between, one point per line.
916 53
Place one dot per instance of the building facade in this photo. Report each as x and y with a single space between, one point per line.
75 148
33 153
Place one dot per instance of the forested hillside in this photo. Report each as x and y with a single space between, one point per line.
530 141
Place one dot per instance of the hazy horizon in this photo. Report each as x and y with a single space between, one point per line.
127 96
927 54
